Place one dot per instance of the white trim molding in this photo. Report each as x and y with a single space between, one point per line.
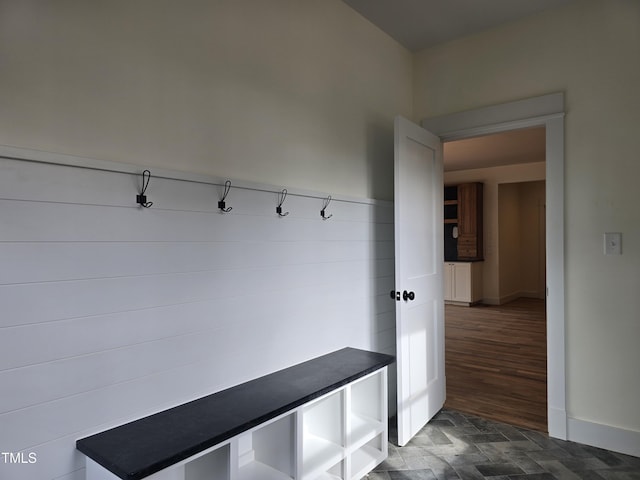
495 118
547 111
604 436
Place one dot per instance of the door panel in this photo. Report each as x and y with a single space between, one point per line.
419 264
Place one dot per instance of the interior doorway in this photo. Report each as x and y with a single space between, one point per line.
548 111
495 352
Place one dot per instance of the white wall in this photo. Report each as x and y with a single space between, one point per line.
521 255
294 92
531 220
508 241
111 312
588 50
492 178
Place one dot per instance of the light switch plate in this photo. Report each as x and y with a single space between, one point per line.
613 243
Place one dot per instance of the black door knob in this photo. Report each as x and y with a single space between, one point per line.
408 295
395 295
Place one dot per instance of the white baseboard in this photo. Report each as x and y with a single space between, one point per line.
508 298
557 423
611 438
490 301
531 294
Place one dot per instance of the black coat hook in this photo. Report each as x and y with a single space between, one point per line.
141 199
282 195
327 201
221 204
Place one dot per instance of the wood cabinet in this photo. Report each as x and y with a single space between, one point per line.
462 282
463 222
470 221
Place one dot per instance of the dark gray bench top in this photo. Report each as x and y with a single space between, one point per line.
140 448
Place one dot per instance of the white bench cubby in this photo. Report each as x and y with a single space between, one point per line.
337 432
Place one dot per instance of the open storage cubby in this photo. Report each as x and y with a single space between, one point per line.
268 452
451 204
463 213
367 408
323 437
323 419
334 473
368 428
214 465
368 456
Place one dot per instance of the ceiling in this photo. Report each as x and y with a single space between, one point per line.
507 148
419 24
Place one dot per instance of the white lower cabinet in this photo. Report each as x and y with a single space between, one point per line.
342 435
462 282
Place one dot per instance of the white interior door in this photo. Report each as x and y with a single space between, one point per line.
419 253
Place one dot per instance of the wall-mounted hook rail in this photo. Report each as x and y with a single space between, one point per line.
323 214
141 199
11 153
282 195
221 204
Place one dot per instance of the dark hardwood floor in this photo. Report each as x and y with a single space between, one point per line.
496 361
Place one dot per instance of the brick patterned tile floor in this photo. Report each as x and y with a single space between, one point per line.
456 446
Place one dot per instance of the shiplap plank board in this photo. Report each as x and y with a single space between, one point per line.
54 380
40 182
46 422
61 417
57 460
81 336
54 222
384 321
92 284
44 262
111 405
72 299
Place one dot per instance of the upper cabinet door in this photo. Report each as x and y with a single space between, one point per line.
470 246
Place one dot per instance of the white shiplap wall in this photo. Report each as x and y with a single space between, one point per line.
110 312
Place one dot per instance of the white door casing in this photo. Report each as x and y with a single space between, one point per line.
547 111
419 258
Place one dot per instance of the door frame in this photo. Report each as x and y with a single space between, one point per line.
547 111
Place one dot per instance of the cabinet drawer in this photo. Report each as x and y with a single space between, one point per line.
467 254
467 247
467 240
